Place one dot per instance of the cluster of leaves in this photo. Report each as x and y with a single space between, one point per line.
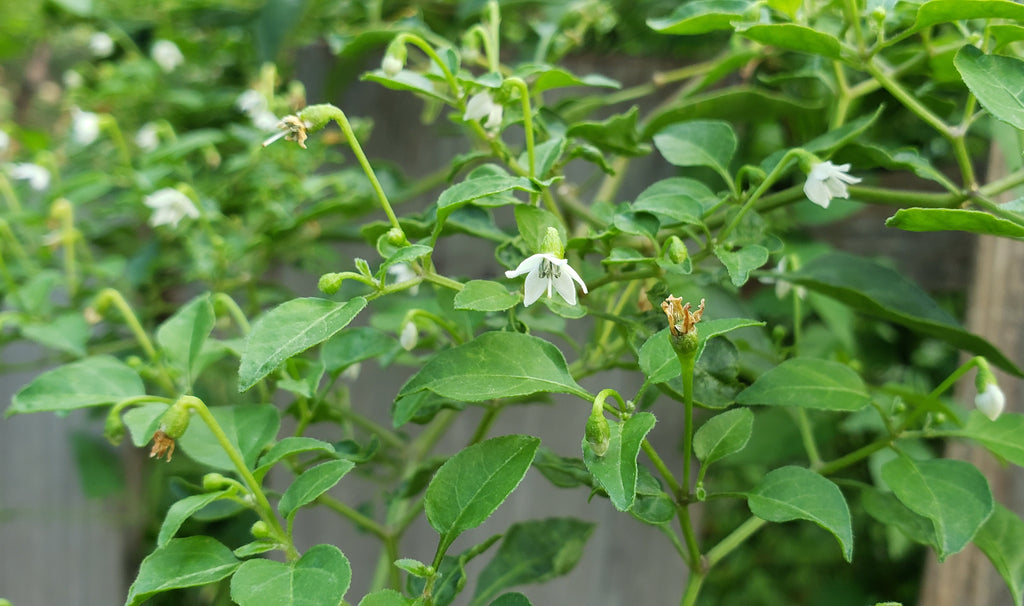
793 85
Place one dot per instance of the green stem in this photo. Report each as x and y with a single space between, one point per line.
778 171
694 581
65 215
686 364
262 505
8 192
360 520
440 280
424 46
524 95
357 149
666 474
225 301
735 538
807 436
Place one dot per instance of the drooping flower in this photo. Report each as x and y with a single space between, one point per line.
148 136
101 45
38 177
85 126
827 181
991 401
482 104
409 337
167 55
391 65
544 272
170 206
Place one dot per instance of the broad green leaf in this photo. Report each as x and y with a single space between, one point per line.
879 291
67 332
546 155
289 329
796 493
1001 538
474 189
182 510
637 223
289 446
652 505
794 37
485 295
944 11
616 470
732 103
739 263
495 365
181 337
547 77
385 597
533 552
319 578
658 360
181 563
710 143
420 407
564 472
700 17
274 20
808 383
997 81
533 224
723 434
90 382
789 7
511 599
355 345
311 484
408 80
954 219
887 509
99 465
954 495
467 489
405 254
249 427
677 198
617 134
1003 437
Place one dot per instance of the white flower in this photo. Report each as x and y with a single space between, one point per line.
391 65
352 372
85 126
72 79
991 401
148 137
101 45
265 120
827 181
401 272
169 207
480 105
5 141
38 177
251 101
545 271
167 55
409 336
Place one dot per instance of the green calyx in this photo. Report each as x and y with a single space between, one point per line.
175 420
552 243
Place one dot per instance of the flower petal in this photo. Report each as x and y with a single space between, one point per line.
534 287
817 192
529 264
564 286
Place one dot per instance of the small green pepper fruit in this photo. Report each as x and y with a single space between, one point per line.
598 432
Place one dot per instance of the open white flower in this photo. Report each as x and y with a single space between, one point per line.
480 105
167 55
148 136
38 177
827 181
991 401
85 126
101 45
170 206
545 271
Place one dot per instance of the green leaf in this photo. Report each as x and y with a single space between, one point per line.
879 291
618 134
289 329
789 7
887 509
652 505
723 434
739 263
533 224
485 295
796 493
292 445
616 470
658 360
794 37
474 189
67 332
808 383
249 427
275 19
495 365
533 552
311 484
944 11
467 489
677 198
920 219
700 17
182 510
181 337
385 597
710 143
547 77
408 80
354 345
90 382
181 563
954 495
1001 437
1001 538
319 578
511 599
406 254
997 81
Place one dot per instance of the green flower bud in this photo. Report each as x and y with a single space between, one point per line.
552 243
394 57
316 117
700 492
330 283
175 420
598 432
396 237
113 427
215 481
260 530
675 250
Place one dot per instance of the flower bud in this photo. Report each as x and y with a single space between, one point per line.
394 58
317 116
597 432
330 283
215 481
410 336
113 427
552 243
675 250
396 237
260 530
172 426
990 399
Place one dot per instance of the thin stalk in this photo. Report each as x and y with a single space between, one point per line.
360 520
357 149
666 473
8 193
735 538
524 95
770 180
686 363
225 301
